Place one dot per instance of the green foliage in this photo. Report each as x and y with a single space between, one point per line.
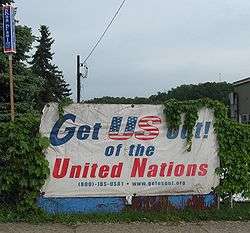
62 104
233 140
3 63
30 91
27 87
234 152
118 100
6 1
43 56
54 88
212 90
24 41
241 212
27 94
31 88
23 166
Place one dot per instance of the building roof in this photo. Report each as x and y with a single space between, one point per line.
242 81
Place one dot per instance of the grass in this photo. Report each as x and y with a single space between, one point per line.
241 212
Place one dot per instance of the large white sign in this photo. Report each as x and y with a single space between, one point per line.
123 150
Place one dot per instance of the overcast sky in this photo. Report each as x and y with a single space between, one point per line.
154 45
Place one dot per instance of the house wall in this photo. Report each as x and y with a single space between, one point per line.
243 92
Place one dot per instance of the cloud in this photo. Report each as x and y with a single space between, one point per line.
152 46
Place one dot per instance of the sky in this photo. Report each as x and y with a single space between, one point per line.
154 45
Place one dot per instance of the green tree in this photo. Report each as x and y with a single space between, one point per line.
215 91
26 85
55 88
24 45
118 100
24 41
212 90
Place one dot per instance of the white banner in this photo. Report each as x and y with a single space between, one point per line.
123 150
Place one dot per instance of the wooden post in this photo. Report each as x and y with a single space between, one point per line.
78 83
231 201
12 107
9 47
218 201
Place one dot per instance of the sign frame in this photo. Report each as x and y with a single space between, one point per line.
9 32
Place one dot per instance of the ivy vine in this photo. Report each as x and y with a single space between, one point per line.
23 166
233 140
62 104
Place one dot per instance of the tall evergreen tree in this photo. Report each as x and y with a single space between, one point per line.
27 86
55 88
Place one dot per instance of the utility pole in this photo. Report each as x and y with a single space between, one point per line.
9 38
78 84
12 104
80 75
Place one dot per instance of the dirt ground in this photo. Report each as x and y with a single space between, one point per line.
213 227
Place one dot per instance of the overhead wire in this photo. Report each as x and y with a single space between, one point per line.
83 90
104 32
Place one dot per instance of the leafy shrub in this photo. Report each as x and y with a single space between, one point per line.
23 166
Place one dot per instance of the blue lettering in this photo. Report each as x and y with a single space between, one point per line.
97 128
172 133
207 127
83 132
184 133
109 151
54 139
198 130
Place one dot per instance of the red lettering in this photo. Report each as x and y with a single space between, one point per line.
149 130
93 170
60 171
75 171
104 171
179 170
139 167
85 170
163 168
191 169
116 170
170 168
203 169
152 170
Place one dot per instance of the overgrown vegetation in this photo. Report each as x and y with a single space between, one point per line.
240 212
23 166
24 169
233 140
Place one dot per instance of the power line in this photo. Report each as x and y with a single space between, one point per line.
103 34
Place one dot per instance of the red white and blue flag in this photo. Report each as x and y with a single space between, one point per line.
116 126
146 125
